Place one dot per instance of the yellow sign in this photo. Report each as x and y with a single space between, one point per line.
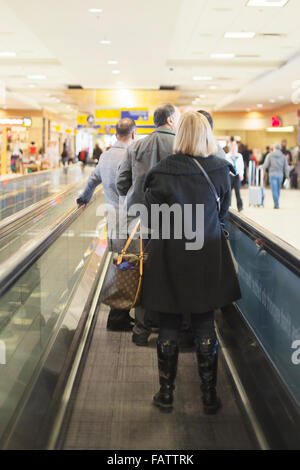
3 153
107 114
57 128
82 119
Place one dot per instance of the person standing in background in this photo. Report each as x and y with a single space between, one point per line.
277 165
105 173
97 153
220 152
236 159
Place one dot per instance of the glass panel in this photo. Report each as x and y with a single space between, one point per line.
31 310
22 192
270 304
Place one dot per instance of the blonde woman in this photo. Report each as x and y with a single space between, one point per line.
181 277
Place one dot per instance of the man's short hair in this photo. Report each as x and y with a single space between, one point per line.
208 117
162 113
125 127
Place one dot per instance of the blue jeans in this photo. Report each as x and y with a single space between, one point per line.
276 182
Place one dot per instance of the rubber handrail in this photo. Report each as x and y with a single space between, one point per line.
285 253
14 266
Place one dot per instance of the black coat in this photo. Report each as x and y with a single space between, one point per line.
198 281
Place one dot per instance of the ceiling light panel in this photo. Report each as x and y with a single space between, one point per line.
204 78
222 56
239 35
267 3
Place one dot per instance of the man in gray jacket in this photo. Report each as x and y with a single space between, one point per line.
276 163
105 173
141 157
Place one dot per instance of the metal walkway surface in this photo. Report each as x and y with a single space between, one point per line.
113 409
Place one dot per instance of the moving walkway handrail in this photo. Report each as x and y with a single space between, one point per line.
13 267
18 263
23 216
285 253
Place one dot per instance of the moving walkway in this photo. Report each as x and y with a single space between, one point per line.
67 383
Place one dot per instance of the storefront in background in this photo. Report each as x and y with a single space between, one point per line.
14 142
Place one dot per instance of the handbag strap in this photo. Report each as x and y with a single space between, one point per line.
123 252
211 185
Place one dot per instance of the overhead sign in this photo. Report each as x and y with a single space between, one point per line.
276 121
135 114
26 122
90 119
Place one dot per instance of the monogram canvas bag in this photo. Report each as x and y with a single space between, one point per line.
122 287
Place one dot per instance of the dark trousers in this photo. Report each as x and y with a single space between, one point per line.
202 325
236 185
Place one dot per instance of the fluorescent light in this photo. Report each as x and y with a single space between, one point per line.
222 56
116 72
112 62
280 129
95 10
105 41
239 35
266 3
199 77
36 77
7 54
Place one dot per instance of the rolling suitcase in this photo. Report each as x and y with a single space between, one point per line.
256 186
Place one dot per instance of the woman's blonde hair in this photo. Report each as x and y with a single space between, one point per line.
194 136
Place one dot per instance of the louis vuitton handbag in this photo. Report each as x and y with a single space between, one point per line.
122 287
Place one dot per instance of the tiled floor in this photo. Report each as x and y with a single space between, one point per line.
285 222
113 408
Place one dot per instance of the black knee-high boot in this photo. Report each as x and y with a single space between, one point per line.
207 357
167 355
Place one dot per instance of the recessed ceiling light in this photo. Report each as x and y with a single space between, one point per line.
222 56
8 54
95 10
266 3
105 41
248 110
272 100
239 35
199 77
36 77
112 62
260 105
116 72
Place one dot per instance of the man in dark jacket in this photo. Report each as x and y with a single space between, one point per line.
141 157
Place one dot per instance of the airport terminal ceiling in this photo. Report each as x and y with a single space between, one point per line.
232 55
